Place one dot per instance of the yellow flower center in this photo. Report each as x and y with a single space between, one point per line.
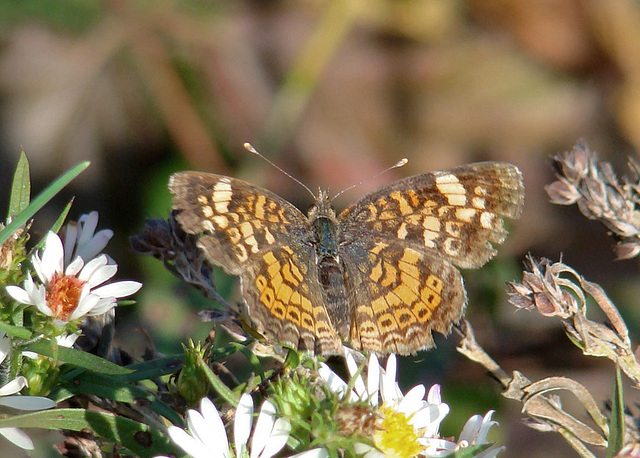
63 295
396 437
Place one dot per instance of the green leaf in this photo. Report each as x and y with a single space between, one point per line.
139 438
15 331
108 387
217 384
616 428
154 368
21 187
76 357
40 201
63 216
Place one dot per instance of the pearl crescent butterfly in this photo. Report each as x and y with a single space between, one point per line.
381 275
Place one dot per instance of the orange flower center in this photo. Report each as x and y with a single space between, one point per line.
63 295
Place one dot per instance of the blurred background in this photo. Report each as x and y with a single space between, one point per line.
334 92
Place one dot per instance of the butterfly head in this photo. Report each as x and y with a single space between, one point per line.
322 207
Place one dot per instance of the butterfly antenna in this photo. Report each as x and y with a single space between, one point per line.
402 162
249 147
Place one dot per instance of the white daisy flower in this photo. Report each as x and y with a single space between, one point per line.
410 422
69 292
15 435
208 438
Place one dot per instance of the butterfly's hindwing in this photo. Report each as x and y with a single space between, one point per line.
400 294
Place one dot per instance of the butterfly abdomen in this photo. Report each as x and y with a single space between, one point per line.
331 273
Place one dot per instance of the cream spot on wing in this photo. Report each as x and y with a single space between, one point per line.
253 243
465 214
221 195
451 247
259 209
268 236
431 223
221 221
246 229
207 211
486 219
480 191
429 237
402 231
207 226
478 202
452 189
241 252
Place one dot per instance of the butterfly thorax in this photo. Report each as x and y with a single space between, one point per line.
330 267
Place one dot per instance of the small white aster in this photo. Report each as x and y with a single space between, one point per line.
69 292
207 437
410 423
15 435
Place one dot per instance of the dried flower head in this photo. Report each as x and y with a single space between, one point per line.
594 186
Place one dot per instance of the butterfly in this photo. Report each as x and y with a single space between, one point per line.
382 275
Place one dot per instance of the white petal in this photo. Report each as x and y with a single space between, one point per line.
19 294
88 224
373 380
192 446
413 400
13 386
52 256
278 438
211 432
470 429
435 395
485 427
97 271
103 305
70 236
17 437
67 340
37 293
390 390
358 385
37 266
436 414
118 289
86 304
333 381
75 267
242 422
367 450
27 402
444 446
95 245
264 425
